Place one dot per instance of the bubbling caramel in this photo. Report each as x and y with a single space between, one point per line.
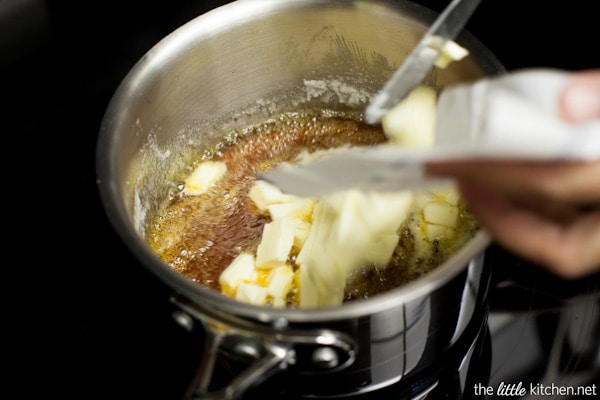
200 235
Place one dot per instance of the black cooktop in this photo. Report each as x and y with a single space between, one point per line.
80 317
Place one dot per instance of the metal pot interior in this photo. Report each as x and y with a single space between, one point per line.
241 64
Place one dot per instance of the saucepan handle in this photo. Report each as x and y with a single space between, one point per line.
275 359
262 351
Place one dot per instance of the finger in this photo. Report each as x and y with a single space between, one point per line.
567 182
569 250
580 101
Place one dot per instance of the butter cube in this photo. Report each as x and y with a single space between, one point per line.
264 194
433 232
251 293
299 208
441 214
240 270
301 233
411 123
449 51
278 302
204 177
280 281
276 243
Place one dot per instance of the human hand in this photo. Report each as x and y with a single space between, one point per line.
546 212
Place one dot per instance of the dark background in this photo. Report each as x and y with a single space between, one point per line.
80 317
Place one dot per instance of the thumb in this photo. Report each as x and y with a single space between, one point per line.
580 100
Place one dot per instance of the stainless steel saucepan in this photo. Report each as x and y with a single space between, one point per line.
242 63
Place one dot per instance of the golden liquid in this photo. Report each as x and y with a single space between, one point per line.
199 236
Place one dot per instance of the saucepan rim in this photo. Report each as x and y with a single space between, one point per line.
107 161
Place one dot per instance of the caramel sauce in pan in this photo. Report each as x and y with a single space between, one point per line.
199 236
